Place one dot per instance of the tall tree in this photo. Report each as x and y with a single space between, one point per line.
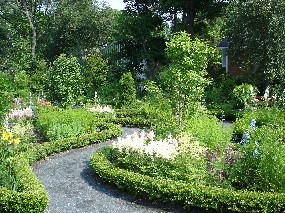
184 80
183 13
77 26
257 41
23 16
141 36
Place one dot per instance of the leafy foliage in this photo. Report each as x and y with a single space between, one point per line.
65 81
141 37
8 145
244 95
254 169
255 30
184 79
22 84
127 90
157 107
57 123
31 196
209 131
76 26
95 74
5 92
185 193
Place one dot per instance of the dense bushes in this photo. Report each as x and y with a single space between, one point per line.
30 195
56 123
5 93
273 117
127 95
226 177
209 130
65 81
189 194
95 74
264 148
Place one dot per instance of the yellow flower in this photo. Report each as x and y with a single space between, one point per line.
16 141
7 136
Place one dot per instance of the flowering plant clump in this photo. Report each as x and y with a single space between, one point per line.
7 143
20 113
144 143
7 149
100 109
8 138
44 103
190 145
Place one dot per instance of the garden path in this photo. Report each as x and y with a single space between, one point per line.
72 186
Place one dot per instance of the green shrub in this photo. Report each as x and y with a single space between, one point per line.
24 130
39 77
261 164
8 149
264 116
183 167
30 196
22 84
56 123
156 106
219 91
209 131
5 93
127 92
95 74
244 95
65 81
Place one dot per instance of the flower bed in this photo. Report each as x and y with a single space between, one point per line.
31 195
231 169
188 194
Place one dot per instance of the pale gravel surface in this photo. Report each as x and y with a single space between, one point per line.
73 187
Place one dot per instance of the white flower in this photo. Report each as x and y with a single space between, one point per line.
100 109
167 149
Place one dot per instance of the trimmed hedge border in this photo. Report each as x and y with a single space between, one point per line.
188 194
131 117
31 195
138 122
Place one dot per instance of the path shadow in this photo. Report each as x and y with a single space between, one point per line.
102 186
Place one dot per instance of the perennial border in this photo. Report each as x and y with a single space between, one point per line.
187 194
31 196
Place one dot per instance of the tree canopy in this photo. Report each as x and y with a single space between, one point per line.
183 14
255 29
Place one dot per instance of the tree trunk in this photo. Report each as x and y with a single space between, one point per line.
174 24
33 29
190 16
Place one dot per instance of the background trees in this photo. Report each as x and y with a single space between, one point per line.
141 36
257 40
184 15
77 26
34 33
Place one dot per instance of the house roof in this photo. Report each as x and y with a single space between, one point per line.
223 44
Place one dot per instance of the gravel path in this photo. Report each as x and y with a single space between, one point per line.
72 186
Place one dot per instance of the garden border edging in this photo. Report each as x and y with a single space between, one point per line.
190 195
31 195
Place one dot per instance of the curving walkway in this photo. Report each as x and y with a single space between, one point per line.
72 186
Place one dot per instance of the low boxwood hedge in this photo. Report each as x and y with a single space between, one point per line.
136 121
31 195
187 194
